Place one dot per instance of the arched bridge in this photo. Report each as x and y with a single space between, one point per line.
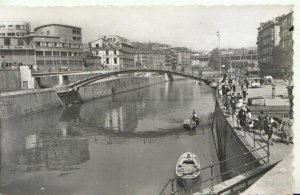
86 81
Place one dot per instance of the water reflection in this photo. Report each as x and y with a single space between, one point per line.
125 144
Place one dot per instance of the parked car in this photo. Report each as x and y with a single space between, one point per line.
258 104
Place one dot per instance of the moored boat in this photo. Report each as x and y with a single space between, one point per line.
191 123
188 168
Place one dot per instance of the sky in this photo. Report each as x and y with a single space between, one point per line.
194 27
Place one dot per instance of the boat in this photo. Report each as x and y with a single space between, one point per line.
191 123
188 169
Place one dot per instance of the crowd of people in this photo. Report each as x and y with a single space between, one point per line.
233 93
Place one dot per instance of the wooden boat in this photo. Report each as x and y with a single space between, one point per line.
188 168
191 123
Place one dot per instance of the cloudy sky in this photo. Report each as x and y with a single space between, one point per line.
194 27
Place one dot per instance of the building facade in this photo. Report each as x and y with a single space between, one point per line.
183 56
57 46
14 49
268 47
286 45
115 51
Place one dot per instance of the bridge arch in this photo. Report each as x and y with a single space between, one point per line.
81 83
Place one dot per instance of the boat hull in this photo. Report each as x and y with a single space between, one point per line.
188 169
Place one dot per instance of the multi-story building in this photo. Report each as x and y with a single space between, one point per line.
200 60
57 46
115 51
268 47
286 44
182 56
14 49
141 55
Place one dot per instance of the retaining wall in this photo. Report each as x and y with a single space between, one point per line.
116 85
20 103
10 80
230 145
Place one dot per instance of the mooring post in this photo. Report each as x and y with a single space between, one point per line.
172 185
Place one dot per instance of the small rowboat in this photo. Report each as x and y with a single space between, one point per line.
191 123
188 168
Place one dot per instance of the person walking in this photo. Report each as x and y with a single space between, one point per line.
233 104
242 116
244 94
233 87
261 117
273 90
249 119
268 129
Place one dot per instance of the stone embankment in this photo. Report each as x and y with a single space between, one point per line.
21 103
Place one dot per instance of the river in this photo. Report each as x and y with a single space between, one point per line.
125 144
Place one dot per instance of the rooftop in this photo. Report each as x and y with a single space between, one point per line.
62 25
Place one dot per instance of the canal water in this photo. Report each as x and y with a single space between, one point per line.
126 144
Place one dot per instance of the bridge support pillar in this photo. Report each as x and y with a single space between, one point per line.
169 77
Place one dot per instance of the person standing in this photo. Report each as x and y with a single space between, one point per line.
233 87
244 94
273 90
261 117
268 129
242 116
233 104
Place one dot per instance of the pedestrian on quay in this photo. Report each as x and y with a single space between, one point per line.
273 90
249 118
233 87
233 104
242 116
268 129
261 120
228 105
244 94
240 102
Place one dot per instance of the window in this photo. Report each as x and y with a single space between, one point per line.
63 53
20 42
48 32
107 60
74 38
48 53
74 31
115 60
97 45
18 27
6 41
2 26
115 52
39 53
2 34
106 52
55 53
10 26
10 34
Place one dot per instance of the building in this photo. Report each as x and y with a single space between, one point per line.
141 55
268 40
14 50
239 59
286 44
199 59
115 51
57 46
183 56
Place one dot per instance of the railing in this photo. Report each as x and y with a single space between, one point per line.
212 176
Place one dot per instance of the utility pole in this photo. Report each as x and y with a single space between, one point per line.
218 34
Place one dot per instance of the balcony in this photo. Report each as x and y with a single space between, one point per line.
15 47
